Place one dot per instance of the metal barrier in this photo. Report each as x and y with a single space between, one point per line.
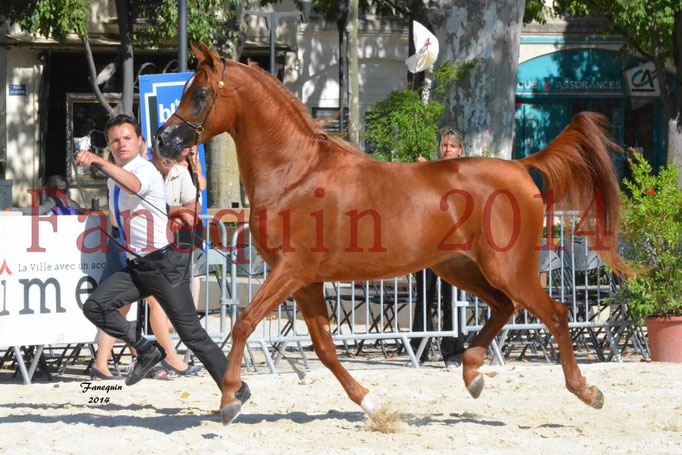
382 311
213 295
574 275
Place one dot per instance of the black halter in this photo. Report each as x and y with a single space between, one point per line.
199 129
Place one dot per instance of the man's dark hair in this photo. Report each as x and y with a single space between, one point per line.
119 120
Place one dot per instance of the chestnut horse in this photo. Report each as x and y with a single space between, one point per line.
323 211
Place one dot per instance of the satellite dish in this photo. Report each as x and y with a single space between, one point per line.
105 74
426 45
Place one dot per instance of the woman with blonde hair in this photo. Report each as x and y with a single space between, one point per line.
449 147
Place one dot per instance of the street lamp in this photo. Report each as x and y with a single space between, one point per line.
272 19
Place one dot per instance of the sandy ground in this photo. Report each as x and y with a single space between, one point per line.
523 409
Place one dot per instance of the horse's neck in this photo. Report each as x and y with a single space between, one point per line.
274 145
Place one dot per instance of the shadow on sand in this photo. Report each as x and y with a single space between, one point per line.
171 420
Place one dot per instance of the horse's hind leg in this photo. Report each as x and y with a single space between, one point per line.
463 273
524 289
310 300
280 284
555 316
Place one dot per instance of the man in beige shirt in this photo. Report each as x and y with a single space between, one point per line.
180 191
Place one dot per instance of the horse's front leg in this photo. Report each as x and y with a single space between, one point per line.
280 284
310 300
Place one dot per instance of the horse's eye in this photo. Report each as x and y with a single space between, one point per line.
200 94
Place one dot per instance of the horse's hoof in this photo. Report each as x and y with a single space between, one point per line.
230 412
598 400
368 405
476 386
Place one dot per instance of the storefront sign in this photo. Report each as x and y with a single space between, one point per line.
567 86
642 80
42 292
582 73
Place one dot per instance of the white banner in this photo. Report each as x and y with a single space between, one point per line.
48 267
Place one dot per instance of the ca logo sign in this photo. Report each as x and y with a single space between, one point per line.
643 80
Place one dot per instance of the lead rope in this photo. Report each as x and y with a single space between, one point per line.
193 163
98 168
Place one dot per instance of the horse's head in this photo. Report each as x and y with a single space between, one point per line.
201 114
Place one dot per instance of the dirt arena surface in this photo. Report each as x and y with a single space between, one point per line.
523 409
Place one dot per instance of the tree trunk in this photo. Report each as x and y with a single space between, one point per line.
481 104
222 169
675 121
670 102
341 24
222 172
93 77
675 145
354 113
125 28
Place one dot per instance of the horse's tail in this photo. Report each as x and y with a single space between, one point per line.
577 169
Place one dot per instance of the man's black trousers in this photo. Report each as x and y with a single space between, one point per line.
139 279
449 345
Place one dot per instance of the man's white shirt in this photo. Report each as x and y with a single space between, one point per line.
144 222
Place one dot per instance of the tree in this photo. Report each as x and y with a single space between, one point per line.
354 111
481 104
652 28
158 20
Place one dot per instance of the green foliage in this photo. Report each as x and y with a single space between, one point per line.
55 18
203 24
631 17
448 74
402 127
652 231
535 11
156 20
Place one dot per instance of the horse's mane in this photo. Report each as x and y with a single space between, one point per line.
292 101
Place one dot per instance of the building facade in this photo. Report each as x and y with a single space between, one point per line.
564 67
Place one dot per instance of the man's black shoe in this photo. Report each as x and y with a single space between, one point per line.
244 393
145 362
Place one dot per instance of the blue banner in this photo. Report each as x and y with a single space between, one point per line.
160 96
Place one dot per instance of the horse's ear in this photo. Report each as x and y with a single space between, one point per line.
209 55
198 53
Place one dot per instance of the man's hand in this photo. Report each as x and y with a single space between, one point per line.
187 218
86 158
182 216
421 159
189 158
